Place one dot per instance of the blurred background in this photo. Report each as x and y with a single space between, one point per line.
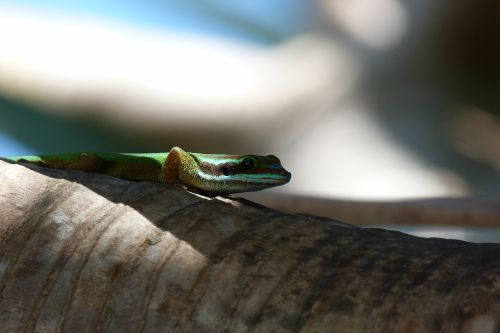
364 101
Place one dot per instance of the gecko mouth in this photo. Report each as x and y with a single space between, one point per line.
262 180
284 178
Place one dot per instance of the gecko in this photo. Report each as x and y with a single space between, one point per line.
210 174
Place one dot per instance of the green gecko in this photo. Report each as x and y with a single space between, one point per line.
211 174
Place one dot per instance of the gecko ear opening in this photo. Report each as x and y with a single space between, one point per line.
225 171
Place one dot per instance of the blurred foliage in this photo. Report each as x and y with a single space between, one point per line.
415 89
51 133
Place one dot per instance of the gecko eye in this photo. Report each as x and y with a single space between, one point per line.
247 163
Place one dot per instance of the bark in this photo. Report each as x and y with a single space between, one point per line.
466 212
90 253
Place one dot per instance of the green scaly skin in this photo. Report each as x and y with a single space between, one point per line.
209 173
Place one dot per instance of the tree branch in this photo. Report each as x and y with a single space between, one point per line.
85 252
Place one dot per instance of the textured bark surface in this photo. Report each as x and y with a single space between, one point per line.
90 253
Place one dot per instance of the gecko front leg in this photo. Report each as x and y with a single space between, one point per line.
179 169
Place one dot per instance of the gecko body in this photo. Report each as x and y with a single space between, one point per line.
212 174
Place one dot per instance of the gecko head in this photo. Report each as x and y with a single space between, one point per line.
226 174
253 172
